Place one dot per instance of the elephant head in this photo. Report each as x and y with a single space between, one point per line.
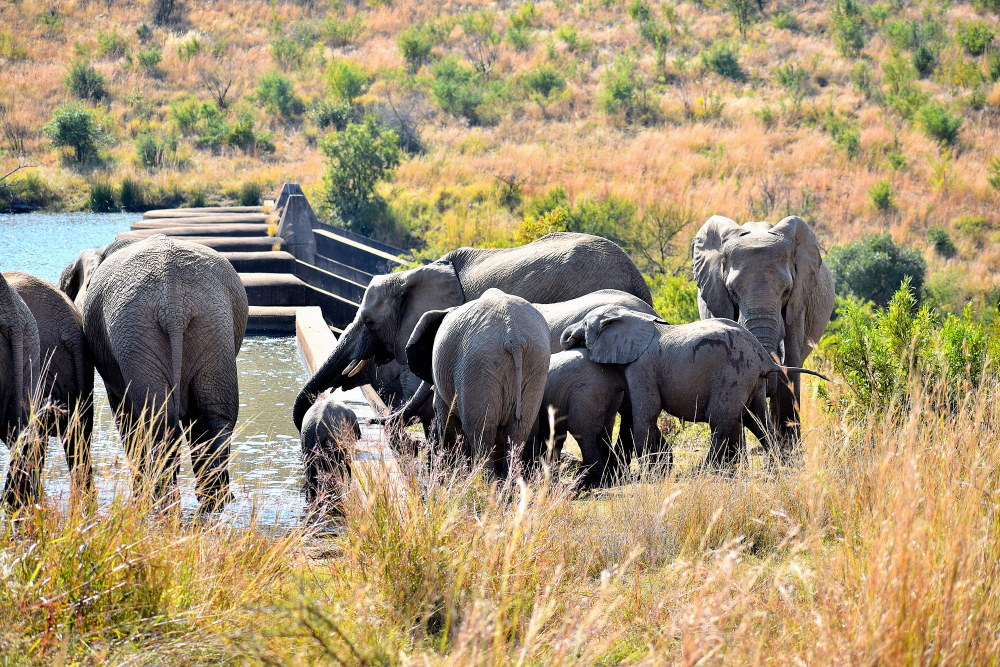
420 347
389 312
612 334
75 278
759 275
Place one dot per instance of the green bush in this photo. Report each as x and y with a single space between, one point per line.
73 125
102 197
744 13
675 298
357 160
338 32
415 43
149 60
250 193
149 150
846 133
993 172
874 268
878 356
244 134
975 36
723 58
623 91
611 217
184 114
347 81
940 240
144 33
111 44
520 38
881 195
287 52
132 195
84 81
554 197
938 123
848 24
276 93
924 60
189 48
455 87
198 198
993 66
784 18
542 81
326 113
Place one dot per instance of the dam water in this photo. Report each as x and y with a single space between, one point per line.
266 469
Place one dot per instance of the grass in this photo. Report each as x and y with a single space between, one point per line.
879 546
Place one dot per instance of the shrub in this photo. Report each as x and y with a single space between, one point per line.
243 134
993 66
971 225
84 81
131 195
189 47
743 13
553 198
455 87
532 228
326 113
415 43
675 298
924 60
251 193
783 18
102 197
347 80
150 151
162 10
623 91
941 241
937 122
874 268
287 52
149 60
986 5
111 44
723 58
357 160
276 93
198 198
184 114
73 125
848 25
144 33
881 195
543 80
975 36
993 172
845 133
612 217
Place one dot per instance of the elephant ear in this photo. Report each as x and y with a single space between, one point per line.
420 347
425 288
706 256
807 263
71 279
619 336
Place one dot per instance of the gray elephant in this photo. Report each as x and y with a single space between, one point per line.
488 360
165 319
554 268
19 367
329 432
75 279
585 396
711 371
772 280
68 372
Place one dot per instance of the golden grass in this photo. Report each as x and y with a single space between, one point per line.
880 547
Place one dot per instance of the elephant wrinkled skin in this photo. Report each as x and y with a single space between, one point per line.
557 267
329 431
772 280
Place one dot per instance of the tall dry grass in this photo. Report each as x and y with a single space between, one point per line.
879 547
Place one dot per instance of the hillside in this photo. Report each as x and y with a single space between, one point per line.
858 117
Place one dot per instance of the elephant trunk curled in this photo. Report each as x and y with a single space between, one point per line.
330 374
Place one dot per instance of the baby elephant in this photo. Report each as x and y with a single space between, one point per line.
329 431
487 360
711 371
585 396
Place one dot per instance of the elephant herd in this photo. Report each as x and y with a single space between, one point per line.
491 349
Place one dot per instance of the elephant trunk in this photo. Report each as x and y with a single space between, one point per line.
766 326
331 374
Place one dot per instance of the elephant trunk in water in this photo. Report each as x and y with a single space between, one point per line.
353 349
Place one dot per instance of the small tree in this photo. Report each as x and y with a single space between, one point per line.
937 123
456 88
415 43
848 24
357 160
482 41
275 92
347 81
73 125
874 268
84 81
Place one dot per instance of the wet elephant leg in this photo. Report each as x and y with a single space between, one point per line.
210 453
76 438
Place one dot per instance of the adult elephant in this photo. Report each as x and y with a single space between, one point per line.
556 267
165 319
19 363
772 280
67 370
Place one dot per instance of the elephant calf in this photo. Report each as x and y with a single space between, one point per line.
711 371
329 431
488 360
68 372
585 396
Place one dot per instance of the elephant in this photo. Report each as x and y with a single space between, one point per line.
711 371
67 370
165 319
329 432
772 280
488 360
585 396
19 370
75 278
554 268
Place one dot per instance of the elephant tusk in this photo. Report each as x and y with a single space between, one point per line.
357 369
351 366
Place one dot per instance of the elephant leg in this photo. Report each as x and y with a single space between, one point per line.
210 442
76 439
757 419
495 443
593 463
618 460
785 402
727 441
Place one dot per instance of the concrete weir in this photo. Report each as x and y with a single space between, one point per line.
302 277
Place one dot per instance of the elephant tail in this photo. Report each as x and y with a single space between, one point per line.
517 352
796 369
175 332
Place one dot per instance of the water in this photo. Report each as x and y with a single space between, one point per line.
266 468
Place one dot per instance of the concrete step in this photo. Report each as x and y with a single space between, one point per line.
226 243
201 220
261 262
206 230
274 289
272 320
207 210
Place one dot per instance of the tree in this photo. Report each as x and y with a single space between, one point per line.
347 81
874 268
73 125
482 41
357 160
84 81
275 91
